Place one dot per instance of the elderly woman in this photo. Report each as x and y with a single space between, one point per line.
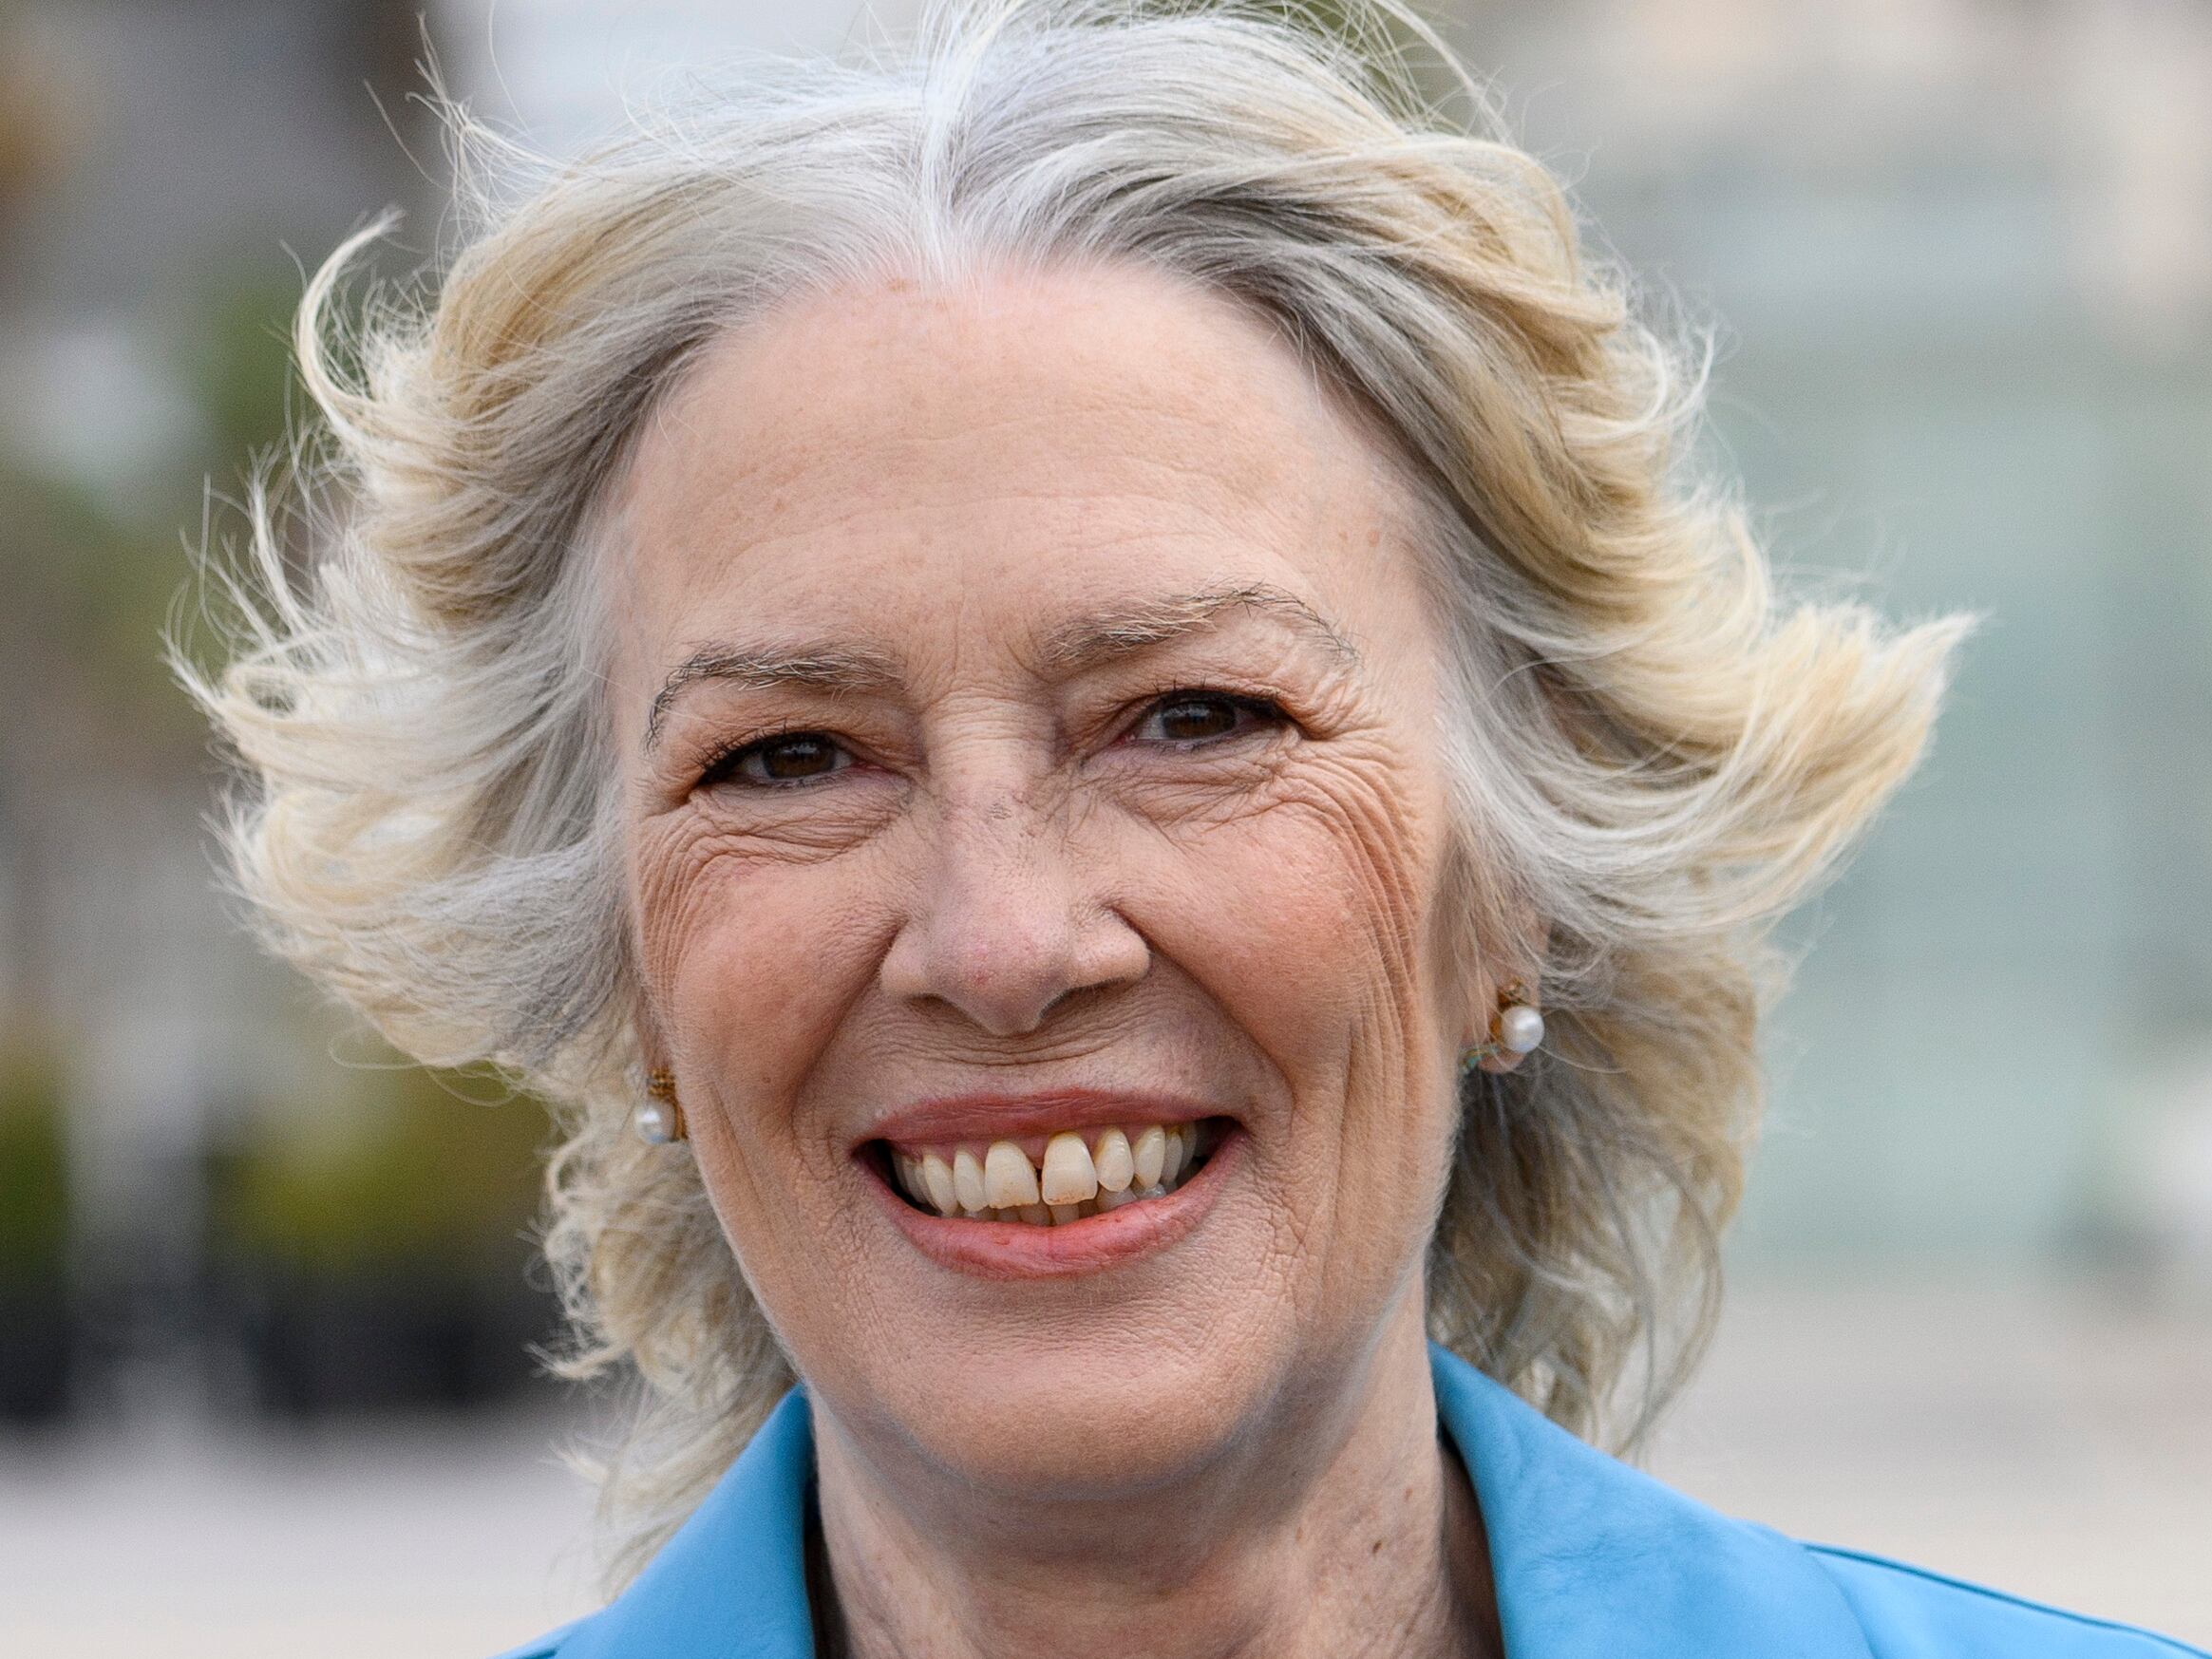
1069 696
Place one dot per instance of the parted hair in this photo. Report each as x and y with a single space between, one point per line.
1648 750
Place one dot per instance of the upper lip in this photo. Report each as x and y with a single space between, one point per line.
993 1117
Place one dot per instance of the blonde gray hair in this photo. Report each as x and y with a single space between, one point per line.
1648 751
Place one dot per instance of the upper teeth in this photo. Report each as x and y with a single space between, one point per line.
1064 1178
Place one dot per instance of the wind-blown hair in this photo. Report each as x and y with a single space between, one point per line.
1647 751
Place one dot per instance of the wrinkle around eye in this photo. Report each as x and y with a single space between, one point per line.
811 818
705 839
1246 783
1208 785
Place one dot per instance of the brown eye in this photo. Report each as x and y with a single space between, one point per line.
796 757
1195 717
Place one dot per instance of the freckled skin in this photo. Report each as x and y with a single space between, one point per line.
1008 882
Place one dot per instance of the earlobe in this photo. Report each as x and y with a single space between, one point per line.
1493 926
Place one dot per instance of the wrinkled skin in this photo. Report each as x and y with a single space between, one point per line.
999 867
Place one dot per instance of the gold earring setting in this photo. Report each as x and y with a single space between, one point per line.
1516 1030
658 1118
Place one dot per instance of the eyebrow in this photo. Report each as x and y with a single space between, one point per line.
826 666
1103 635
1086 642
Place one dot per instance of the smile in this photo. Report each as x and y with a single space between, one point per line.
1042 1185
1051 1179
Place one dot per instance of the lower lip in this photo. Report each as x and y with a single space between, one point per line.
1021 1250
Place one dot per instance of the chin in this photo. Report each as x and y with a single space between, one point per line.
1078 1385
1086 1415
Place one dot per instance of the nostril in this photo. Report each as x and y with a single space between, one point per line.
1005 944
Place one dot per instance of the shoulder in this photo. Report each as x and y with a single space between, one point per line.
1903 1613
1592 1557
1908 1612
737 1564
545 1646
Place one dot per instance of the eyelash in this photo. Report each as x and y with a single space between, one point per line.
722 767
1265 706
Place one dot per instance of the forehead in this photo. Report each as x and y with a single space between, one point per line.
993 456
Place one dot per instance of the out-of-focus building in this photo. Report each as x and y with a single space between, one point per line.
166 170
564 72
1961 257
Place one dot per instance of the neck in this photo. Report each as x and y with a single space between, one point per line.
1351 1531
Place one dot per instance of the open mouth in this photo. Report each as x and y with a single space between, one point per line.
1053 1179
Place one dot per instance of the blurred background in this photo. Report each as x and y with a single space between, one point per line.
265 1296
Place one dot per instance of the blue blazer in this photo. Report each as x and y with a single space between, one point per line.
1592 1561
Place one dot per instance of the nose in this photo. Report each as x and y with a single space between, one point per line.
1006 924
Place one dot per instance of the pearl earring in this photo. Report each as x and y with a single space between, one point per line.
658 1118
1516 1030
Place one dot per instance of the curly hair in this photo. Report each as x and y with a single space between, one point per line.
1646 749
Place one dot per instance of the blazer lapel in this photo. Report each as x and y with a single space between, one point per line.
1591 1556
732 1584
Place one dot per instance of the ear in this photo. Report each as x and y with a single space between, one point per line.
1491 937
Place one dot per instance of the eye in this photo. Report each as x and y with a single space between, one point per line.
1186 717
788 758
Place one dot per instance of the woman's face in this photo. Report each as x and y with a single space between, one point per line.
1029 716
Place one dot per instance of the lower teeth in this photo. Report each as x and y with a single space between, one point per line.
1061 1214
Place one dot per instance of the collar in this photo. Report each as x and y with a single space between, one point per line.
1589 1555
1592 1557
732 1584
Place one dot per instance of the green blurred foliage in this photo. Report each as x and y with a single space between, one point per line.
34 1177
443 1181
238 370
86 589
91 581
238 367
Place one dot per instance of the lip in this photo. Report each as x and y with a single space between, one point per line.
1016 1250
1010 1116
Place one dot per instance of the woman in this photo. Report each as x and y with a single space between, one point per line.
1069 696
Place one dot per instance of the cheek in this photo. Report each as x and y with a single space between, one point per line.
750 964
1309 923
1312 922
720 933
1310 917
